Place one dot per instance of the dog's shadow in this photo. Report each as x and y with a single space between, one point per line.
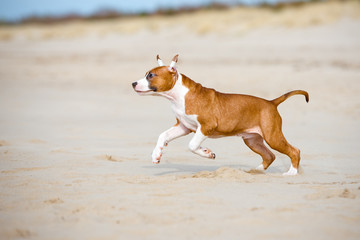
176 168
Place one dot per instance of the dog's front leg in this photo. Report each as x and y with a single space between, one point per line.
195 147
176 131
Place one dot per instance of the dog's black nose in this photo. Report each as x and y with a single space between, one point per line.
134 84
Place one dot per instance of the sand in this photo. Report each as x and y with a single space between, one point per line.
76 140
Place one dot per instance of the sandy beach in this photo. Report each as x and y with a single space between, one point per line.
76 140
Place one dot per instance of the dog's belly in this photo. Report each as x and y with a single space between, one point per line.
245 134
249 133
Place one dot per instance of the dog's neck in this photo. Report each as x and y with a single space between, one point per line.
177 94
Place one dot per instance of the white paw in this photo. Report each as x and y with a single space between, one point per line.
208 153
292 172
260 167
156 155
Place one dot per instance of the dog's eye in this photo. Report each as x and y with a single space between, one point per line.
150 75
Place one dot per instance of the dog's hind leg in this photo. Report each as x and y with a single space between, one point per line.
279 143
256 143
276 140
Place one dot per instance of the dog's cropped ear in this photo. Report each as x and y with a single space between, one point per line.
173 62
159 61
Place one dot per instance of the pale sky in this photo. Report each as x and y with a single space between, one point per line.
12 10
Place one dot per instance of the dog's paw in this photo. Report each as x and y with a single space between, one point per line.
156 155
260 168
292 172
208 153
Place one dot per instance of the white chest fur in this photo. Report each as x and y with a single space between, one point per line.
189 121
177 97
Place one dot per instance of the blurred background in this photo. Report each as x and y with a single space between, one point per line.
18 10
76 140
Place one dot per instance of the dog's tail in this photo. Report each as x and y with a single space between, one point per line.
279 100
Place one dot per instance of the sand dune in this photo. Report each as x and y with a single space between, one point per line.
76 141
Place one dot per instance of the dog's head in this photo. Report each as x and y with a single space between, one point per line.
158 80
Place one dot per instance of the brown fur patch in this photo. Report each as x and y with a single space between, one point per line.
222 114
164 79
